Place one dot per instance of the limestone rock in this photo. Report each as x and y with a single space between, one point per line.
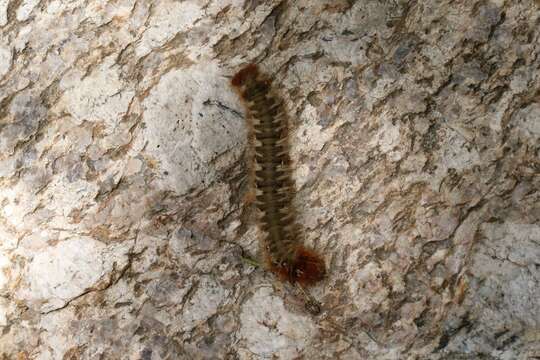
415 129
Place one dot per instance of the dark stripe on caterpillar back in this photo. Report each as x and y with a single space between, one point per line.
270 173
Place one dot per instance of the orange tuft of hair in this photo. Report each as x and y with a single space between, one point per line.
307 268
249 71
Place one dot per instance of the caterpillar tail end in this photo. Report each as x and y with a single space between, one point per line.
248 72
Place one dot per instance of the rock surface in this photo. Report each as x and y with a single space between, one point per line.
416 133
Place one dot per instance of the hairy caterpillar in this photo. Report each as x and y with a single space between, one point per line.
270 177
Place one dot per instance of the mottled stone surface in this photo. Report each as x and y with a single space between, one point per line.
415 127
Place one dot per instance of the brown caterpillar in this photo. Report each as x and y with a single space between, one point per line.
270 177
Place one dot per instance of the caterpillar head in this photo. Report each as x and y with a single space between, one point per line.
307 268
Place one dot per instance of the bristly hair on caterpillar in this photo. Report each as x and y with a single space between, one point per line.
271 180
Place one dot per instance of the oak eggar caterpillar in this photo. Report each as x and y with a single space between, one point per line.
271 180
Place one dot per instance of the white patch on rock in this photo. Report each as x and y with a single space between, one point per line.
310 133
58 333
101 96
5 60
25 9
388 139
190 121
62 272
168 19
3 12
508 274
270 330
5 265
204 303
133 166
4 305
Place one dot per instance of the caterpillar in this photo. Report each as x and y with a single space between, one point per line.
272 182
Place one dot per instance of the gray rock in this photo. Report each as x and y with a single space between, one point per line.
415 130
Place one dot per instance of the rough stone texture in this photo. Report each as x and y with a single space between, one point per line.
416 132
